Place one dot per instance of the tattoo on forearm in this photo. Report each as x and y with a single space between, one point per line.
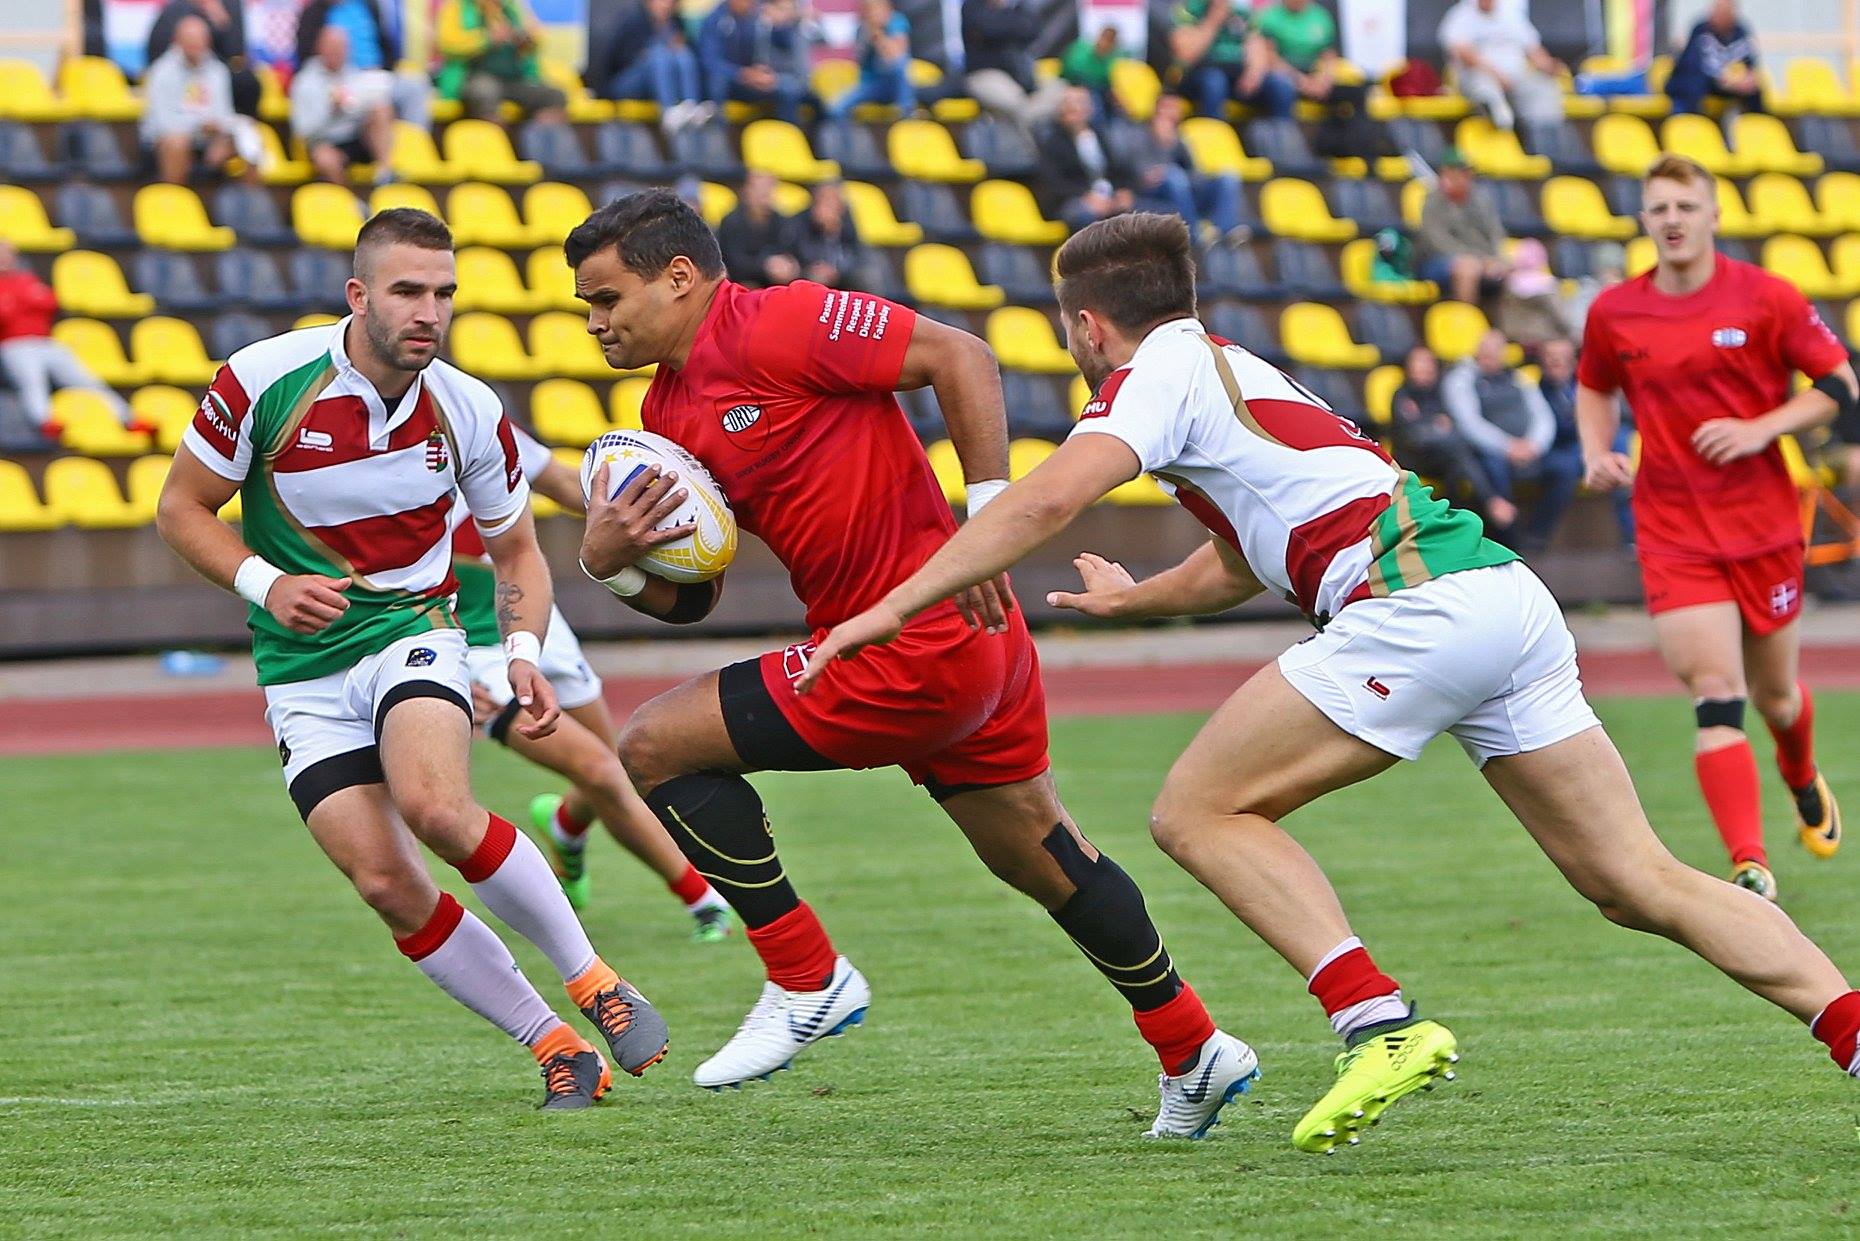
509 601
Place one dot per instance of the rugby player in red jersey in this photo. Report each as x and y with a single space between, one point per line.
786 396
1703 348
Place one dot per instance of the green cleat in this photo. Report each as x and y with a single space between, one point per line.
570 865
1370 1077
713 924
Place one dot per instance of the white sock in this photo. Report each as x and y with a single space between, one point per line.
573 842
1371 1012
475 968
710 900
524 893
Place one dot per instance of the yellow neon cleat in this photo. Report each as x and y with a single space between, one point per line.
1819 817
1371 1076
1756 877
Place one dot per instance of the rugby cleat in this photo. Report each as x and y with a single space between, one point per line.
635 1033
1225 1069
1818 818
713 924
570 865
1372 1075
1756 877
574 1080
784 1022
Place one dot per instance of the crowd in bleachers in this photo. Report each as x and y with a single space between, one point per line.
1420 256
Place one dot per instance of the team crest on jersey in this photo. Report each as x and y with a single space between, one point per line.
739 418
437 457
1729 337
422 657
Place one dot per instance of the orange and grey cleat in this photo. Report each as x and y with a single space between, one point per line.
635 1032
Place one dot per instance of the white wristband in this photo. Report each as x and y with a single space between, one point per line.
981 493
626 583
254 579
523 645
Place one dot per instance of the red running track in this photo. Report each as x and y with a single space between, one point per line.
170 721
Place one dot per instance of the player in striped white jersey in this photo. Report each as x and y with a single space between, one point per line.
1424 627
347 446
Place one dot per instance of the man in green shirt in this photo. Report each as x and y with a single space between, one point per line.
1221 57
1303 38
1088 63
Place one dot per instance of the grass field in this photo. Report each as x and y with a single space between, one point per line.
205 1033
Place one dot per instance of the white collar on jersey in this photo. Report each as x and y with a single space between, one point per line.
1163 331
381 423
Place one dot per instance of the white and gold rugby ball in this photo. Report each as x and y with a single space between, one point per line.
704 553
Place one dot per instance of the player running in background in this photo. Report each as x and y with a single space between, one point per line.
582 749
1703 348
349 445
1424 627
786 396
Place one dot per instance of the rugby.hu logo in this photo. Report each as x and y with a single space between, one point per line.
1729 337
739 418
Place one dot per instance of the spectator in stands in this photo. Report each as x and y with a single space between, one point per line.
736 51
188 122
374 44
488 56
756 239
1429 441
1088 62
1303 39
1512 428
1562 461
1166 180
1461 241
651 59
1719 60
32 360
1501 62
1530 310
226 28
826 244
343 114
1082 180
884 54
1222 57
997 42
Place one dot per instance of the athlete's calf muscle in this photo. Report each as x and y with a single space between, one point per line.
679 732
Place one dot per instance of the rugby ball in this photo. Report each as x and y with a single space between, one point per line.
704 553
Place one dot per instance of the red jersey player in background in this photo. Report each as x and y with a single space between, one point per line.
1704 349
786 396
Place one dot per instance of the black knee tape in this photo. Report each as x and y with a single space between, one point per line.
1719 713
1107 919
718 822
498 729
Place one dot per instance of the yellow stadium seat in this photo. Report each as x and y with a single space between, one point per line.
83 491
25 95
1837 195
560 345
276 166
172 217
1651 106
1766 146
1077 395
924 151
1006 211
1452 329
1358 265
792 199
1215 147
316 318
626 400
1135 86
482 151
98 348
1316 335
1624 145
1734 219
234 509
941 275
780 148
403 194
1574 207
1496 152
167 408
873 217
1379 388
96 89
1780 203
1025 456
552 210
1811 87
1640 256
1844 260
1853 320
1139 492
552 282
1699 138
1800 261
488 280
491 349
274 104
483 215
327 216
414 157
92 427
1413 199
715 202
948 471
143 485
833 77
169 351
583 108
20 509
1296 209
23 222
1023 340
88 283
567 412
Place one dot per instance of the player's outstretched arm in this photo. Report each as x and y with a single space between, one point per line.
1212 579
525 597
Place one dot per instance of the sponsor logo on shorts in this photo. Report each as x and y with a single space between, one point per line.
1729 337
794 660
740 418
1783 598
437 458
319 441
422 657
1377 688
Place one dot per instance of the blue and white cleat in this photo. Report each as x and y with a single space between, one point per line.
1192 1101
784 1022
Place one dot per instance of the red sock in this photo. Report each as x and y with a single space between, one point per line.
1728 778
438 929
568 824
1838 1026
1177 1030
1355 994
500 837
795 950
1795 745
689 887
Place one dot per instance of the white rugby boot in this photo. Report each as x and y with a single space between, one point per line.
1192 1101
782 1023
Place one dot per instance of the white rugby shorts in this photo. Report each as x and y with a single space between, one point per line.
575 683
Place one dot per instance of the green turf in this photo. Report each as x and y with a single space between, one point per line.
206 1034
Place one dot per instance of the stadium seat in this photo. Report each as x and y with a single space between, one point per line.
630 150
782 149
1495 152
874 219
327 216
91 284
1800 261
626 399
1624 145
1389 328
1215 147
21 511
1574 207
1837 197
1020 275
715 202
1699 138
1135 86
560 345
25 95
1296 209
1453 329
566 412
1413 199
582 108
1640 256
93 146
414 157
91 426
99 349
924 151
1025 456
1563 145
1734 219
23 222
488 280
706 150
1844 261
552 210
1779 203
1078 393
941 276
277 166
481 151
252 215
319 277
484 215
1367 202
173 280
315 319
83 492
875 272
403 194
168 409
1765 144
1006 211
1227 271
1023 340
1316 335
854 149
230 333
948 470
557 148
792 199
934 209
1811 87
1305 271
168 350
1003 148
172 217
1247 327
142 487
1139 492
1518 211
551 283
492 344
1379 387
22 158
833 77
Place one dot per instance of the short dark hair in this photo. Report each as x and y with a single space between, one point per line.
647 230
1136 270
401 226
